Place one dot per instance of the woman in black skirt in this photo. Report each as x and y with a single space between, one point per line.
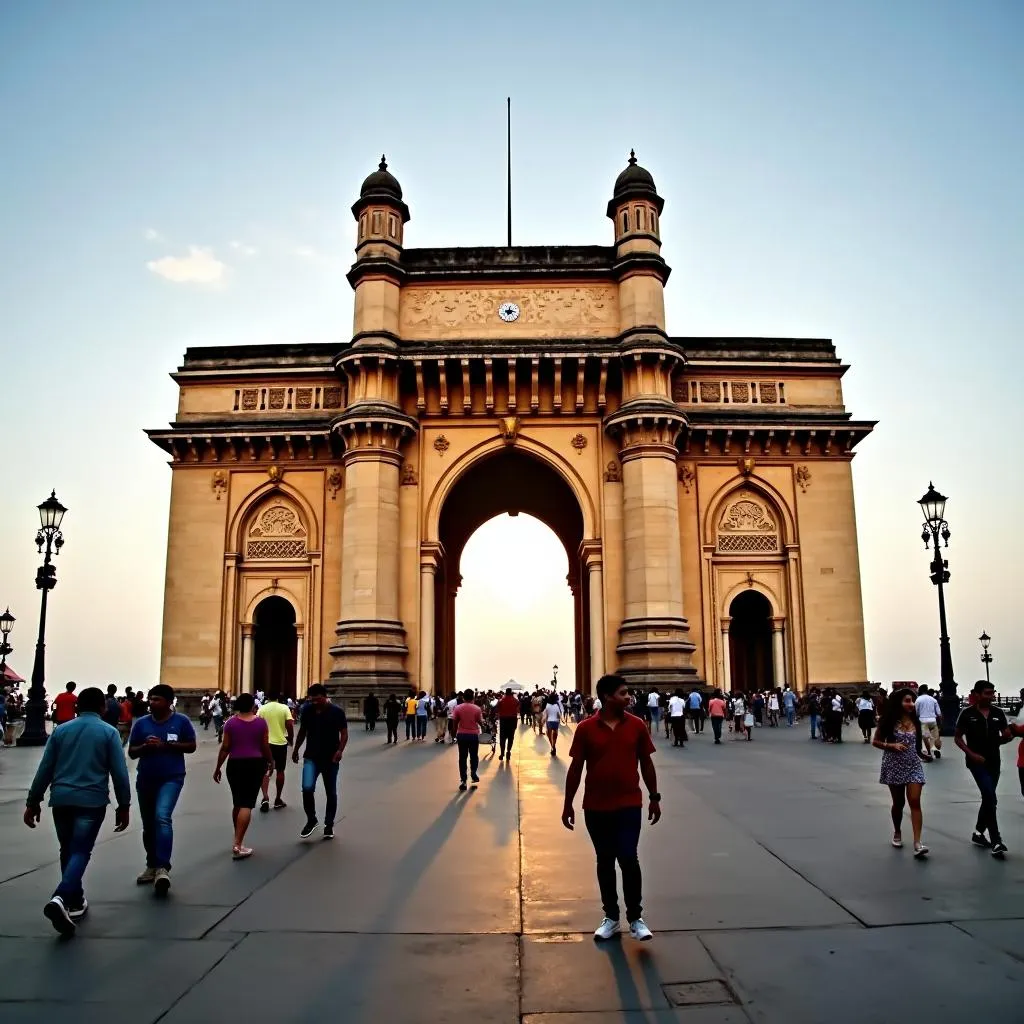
866 715
246 748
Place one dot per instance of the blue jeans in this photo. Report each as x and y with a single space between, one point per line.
421 727
410 727
814 726
655 715
790 712
77 829
329 771
986 777
157 798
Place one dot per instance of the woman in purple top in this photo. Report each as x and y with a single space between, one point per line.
246 748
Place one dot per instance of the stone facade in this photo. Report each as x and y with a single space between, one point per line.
679 473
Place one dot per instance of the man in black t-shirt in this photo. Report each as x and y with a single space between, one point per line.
323 727
981 730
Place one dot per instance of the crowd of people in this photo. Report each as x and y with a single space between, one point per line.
610 752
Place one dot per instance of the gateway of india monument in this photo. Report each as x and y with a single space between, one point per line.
322 494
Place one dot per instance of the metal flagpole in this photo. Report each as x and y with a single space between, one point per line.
508 102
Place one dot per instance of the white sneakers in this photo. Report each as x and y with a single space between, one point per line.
609 929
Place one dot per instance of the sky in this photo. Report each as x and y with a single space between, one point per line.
180 174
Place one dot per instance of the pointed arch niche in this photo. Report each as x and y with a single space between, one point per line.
751 565
271 633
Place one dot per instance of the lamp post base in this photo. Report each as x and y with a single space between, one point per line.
35 734
949 704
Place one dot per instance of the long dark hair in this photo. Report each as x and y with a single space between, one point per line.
892 713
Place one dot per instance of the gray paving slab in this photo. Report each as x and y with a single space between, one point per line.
769 971
689 1015
425 979
1005 935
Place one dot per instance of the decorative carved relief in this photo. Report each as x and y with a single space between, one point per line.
579 442
332 398
275 473
276 533
745 466
219 483
303 398
686 475
747 526
710 391
334 481
250 399
408 475
613 473
508 426
276 400
680 390
581 310
803 478
740 391
769 392
441 444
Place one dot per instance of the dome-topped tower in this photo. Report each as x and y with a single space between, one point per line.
635 208
381 213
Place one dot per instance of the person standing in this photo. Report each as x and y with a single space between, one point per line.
466 718
615 747
280 735
159 742
422 715
981 730
439 707
411 702
899 735
246 749
64 705
371 712
553 719
392 711
866 715
696 710
789 705
677 718
739 715
112 707
79 759
508 712
717 712
814 712
653 709
217 710
835 717
323 727
930 715
773 708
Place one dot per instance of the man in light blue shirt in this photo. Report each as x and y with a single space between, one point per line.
789 705
80 758
695 707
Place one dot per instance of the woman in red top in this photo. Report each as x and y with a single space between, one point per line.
467 718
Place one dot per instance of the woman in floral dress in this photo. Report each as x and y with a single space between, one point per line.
899 736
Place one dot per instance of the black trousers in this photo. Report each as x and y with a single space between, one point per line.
678 730
506 733
392 729
616 835
469 746
716 727
986 778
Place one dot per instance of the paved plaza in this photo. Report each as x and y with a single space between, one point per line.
770 885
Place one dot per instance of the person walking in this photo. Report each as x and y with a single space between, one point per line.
553 719
112 707
773 709
739 715
899 736
835 717
280 735
695 709
64 705
930 715
677 718
392 711
466 718
411 703
440 712
615 747
789 705
981 730
79 760
124 722
508 712
717 712
422 715
814 711
217 709
246 748
323 727
866 715
371 712
159 742
653 716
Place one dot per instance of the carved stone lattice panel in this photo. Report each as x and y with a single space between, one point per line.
747 525
589 311
769 393
740 391
710 391
275 549
748 542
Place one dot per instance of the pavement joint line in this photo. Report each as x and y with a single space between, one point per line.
202 977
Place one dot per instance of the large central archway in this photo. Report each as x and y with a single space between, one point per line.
511 481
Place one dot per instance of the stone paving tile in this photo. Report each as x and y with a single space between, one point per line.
688 1015
1005 935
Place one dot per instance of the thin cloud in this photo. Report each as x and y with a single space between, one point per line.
152 235
307 252
200 266
243 248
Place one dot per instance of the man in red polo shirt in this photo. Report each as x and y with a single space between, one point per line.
64 705
616 748
508 719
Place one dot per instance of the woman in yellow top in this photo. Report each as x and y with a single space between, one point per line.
410 718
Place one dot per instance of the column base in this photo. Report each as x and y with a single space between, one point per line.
656 652
369 656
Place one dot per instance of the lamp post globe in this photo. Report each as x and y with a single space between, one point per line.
7 621
554 677
49 540
933 508
986 655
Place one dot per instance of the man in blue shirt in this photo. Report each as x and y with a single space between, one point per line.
695 706
78 760
789 705
159 742
323 727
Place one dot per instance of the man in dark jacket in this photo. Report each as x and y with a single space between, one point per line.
371 712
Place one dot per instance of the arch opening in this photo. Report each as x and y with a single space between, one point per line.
750 643
275 647
507 483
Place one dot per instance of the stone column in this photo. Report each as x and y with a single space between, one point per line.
370 650
779 650
726 667
654 645
300 687
596 623
247 658
430 556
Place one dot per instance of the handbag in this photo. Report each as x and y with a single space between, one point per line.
748 720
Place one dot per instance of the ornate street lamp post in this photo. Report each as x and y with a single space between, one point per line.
7 621
51 512
554 677
986 658
933 505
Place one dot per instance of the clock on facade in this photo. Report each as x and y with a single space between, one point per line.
508 311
